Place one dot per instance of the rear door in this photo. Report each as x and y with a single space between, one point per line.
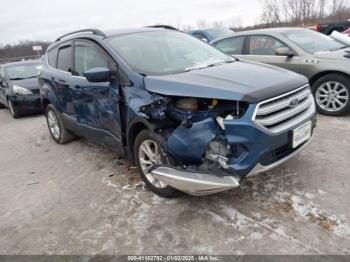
262 48
96 104
61 78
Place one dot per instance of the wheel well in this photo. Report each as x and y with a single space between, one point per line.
319 75
45 102
132 134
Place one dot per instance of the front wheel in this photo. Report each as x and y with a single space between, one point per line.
332 94
57 130
13 110
149 152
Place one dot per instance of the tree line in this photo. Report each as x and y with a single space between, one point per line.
22 49
303 12
275 13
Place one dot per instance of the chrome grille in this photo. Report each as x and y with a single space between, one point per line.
283 112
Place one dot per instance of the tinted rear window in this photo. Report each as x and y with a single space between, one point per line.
64 59
52 57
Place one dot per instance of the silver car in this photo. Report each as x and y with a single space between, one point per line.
325 61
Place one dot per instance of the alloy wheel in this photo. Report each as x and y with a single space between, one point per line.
11 107
150 154
53 124
332 96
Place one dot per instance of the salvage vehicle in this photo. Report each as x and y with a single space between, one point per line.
19 87
192 118
322 59
207 35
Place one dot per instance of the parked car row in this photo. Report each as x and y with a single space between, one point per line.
194 117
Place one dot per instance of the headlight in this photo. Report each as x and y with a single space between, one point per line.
21 90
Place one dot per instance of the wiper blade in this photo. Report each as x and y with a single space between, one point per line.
220 63
206 66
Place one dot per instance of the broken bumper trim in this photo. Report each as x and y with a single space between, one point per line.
259 168
194 183
200 184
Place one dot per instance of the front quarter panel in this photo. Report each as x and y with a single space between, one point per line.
313 66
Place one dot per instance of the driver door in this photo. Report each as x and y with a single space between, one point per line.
262 48
96 104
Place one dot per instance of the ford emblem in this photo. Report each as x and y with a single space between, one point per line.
294 102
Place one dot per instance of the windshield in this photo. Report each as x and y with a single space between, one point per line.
23 71
220 32
165 52
313 42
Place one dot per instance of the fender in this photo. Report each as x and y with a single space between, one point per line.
133 128
47 94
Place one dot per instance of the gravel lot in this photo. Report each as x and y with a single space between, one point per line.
80 199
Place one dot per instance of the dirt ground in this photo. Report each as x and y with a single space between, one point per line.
81 199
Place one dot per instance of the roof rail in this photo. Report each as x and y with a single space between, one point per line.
93 31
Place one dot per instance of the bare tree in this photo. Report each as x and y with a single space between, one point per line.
218 24
272 12
202 24
339 9
322 8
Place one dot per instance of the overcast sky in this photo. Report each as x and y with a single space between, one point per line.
47 19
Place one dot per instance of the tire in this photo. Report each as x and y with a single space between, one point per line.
56 128
146 137
13 110
332 94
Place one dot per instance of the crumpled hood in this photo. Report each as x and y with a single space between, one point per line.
339 54
29 83
243 81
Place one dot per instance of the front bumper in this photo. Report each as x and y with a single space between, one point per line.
253 150
194 183
199 184
27 104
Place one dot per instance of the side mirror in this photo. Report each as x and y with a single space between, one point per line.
98 75
284 51
204 40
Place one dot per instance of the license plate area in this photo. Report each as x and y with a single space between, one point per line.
301 134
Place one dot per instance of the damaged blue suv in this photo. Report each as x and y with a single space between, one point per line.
192 118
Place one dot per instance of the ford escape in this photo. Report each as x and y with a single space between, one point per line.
192 118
